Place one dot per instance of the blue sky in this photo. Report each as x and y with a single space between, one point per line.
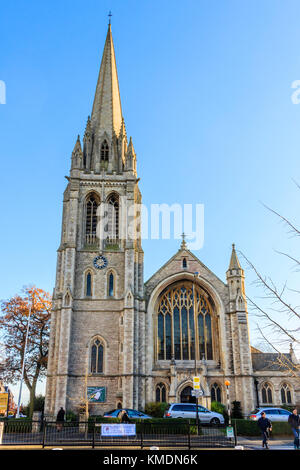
206 96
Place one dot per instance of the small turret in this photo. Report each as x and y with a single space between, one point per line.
77 156
236 282
87 145
130 163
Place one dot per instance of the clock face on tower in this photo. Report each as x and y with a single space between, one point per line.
100 262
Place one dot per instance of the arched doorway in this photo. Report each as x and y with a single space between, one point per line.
186 395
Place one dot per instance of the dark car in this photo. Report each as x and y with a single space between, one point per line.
133 414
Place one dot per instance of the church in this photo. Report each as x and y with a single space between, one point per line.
117 341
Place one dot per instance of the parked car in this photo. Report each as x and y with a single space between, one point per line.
188 410
134 414
273 414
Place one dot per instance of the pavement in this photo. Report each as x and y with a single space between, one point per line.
274 444
243 443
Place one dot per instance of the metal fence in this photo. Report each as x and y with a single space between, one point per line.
169 435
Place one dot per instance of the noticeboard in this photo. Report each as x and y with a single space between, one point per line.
96 394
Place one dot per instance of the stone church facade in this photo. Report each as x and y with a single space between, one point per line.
117 341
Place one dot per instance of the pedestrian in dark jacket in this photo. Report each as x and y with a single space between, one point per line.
60 419
265 427
294 421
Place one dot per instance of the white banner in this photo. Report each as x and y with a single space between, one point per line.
118 430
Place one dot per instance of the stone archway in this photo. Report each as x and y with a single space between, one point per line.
186 395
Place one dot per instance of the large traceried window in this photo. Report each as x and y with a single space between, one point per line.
91 207
176 323
97 355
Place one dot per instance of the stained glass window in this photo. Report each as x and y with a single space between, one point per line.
176 326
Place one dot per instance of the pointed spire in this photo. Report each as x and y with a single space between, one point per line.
130 148
77 155
77 146
107 111
88 128
123 129
234 261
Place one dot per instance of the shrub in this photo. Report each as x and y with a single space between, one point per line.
247 427
237 410
156 409
150 426
288 407
218 407
71 416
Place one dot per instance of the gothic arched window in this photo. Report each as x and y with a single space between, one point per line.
286 396
161 394
266 393
92 204
97 356
184 263
110 285
88 285
215 392
176 325
104 152
112 227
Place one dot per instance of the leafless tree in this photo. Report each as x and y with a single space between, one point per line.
278 318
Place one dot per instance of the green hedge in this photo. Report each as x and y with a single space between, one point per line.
156 409
152 426
247 427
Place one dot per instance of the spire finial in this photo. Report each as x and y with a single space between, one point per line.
183 243
109 16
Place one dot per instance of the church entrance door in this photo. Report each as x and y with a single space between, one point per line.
186 396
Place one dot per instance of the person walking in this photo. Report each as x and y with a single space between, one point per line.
294 421
60 418
265 427
123 416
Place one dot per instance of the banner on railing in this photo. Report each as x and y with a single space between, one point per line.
118 430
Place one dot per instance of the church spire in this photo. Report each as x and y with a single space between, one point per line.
234 261
107 112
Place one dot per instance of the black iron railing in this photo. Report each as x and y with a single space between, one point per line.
147 434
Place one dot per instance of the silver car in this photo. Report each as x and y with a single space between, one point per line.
273 414
188 410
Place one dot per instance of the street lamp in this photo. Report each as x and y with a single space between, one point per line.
23 366
227 383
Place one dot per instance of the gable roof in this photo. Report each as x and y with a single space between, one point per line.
184 252
271 361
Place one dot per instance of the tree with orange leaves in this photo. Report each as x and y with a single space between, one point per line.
13 326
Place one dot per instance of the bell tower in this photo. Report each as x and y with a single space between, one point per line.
98 307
